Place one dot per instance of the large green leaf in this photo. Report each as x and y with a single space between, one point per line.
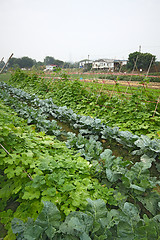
77 224
107 157
125 231
97 208
150 202
49 216
147 161
32 232
112 176
131 210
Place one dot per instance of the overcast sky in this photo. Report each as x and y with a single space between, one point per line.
70 30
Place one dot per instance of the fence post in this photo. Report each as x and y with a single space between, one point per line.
156 106
6 63
115 83
135 65
149 67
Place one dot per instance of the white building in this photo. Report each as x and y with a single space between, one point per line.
50 67
82 63
107 64
103 64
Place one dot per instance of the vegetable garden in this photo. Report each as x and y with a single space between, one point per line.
59 177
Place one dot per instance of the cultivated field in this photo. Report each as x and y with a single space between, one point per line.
80 159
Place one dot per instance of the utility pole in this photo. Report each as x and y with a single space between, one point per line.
88 58
140 48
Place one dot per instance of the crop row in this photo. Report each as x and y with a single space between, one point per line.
134 114
88 125
92 149
52 170
132 180
35 167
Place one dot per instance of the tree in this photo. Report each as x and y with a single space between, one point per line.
39 63
142 60
59 63
26 62
49 60
13 62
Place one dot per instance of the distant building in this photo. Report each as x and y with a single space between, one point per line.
83 63
102 64
50 67
108 64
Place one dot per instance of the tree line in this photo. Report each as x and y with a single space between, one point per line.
136 60
26 62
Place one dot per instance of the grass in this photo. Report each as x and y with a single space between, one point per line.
4 77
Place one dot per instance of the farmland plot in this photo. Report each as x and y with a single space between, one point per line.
99 196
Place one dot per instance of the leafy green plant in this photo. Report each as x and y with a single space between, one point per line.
87 124
36 168
89 149
128 112
96 223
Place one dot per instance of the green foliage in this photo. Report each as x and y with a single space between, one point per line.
24 62
4 77
86 124
40 168
52 61
96 223
33 116
134 114
89 149
29 178
49 60
143 60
